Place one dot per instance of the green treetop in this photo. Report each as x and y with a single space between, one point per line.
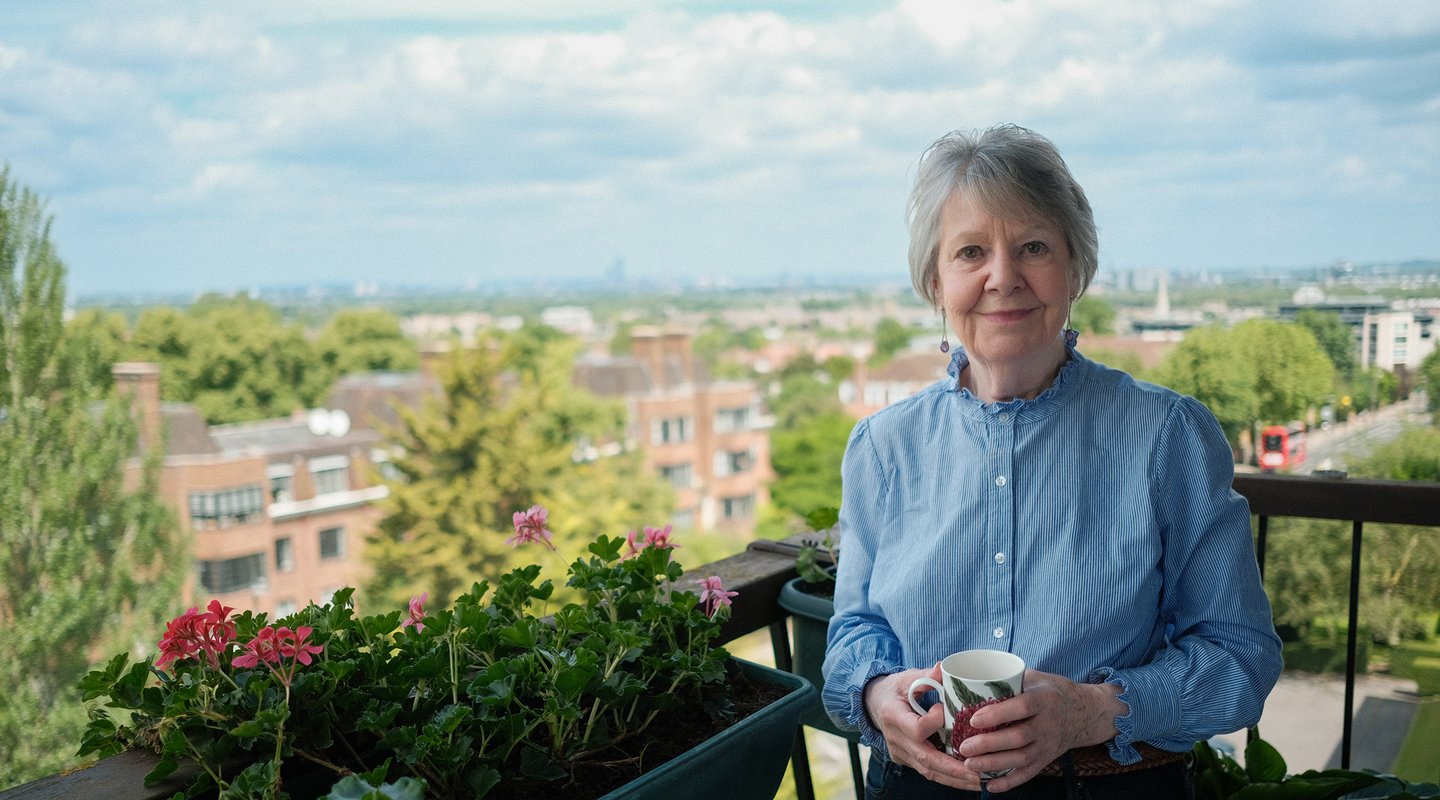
508 431
87 562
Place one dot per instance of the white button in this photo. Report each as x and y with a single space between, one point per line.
999 558
1000 481
1004 417
999 633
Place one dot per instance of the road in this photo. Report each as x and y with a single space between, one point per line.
1358 436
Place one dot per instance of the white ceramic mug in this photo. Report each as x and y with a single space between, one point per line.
973 679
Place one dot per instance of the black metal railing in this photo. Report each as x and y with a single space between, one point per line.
1337 498
762 569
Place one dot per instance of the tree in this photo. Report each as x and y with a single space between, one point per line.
365 340
1430 376
1092 315
890 338
87 563
1255 373
231 357
1292 374
97 340
1210 366
806 459
503 436
801 397
1334 337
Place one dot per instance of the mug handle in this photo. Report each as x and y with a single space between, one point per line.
915 687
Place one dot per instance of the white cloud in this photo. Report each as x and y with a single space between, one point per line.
668 123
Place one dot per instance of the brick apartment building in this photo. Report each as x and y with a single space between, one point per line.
709 439
279 509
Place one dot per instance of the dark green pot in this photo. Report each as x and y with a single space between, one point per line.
810 620
746 761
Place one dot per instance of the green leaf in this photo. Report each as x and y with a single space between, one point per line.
536 763
822 518
96 683
353 787
481 780
166 766
1263 763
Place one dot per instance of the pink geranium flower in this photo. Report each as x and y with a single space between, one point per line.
713 595
295 644
272 645
417 612
182 638
659 537
530 527
195 632
263 649
652 537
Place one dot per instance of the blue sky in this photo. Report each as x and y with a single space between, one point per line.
197 146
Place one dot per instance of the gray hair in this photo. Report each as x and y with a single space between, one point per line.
1012 173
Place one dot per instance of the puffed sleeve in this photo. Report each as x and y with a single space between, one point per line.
1222 656
861 645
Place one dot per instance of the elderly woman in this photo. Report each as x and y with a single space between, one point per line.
1040 503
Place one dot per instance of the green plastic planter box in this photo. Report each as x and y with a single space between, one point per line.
743 762
810 619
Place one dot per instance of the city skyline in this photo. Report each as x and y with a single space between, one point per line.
192 147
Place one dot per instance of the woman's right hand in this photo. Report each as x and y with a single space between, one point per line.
907 734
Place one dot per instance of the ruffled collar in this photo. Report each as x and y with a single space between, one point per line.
1064 384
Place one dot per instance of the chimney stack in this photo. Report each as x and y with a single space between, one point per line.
140 382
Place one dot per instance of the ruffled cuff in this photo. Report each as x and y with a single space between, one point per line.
852 715
1153 719
1122 747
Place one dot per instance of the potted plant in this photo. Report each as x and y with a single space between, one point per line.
810 599
1218 776
502 694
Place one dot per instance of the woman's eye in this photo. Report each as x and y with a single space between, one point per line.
969 253
1036 248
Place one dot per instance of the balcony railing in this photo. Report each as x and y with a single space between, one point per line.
762 569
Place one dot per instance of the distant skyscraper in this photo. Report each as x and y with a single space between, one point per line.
616 275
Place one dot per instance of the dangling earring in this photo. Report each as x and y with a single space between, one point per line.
944 333
1071 335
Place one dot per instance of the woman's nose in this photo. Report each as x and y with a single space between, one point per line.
1004 273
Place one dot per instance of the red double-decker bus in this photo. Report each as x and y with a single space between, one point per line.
1282 446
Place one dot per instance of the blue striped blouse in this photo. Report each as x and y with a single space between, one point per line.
1092 531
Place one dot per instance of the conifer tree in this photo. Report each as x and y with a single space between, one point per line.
87 560
501 437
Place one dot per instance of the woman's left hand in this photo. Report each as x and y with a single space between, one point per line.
1052 715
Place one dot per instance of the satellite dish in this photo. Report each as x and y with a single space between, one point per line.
319 421
339 422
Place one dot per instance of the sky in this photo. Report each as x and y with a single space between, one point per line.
225 146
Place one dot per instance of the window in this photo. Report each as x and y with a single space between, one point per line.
232 575
384 465
226 508
728 420
282 482
732 462
679 475
742 507
284 554
684 519
285 608
331 474
332 543
671 430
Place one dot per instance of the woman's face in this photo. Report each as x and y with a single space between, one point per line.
1004 285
